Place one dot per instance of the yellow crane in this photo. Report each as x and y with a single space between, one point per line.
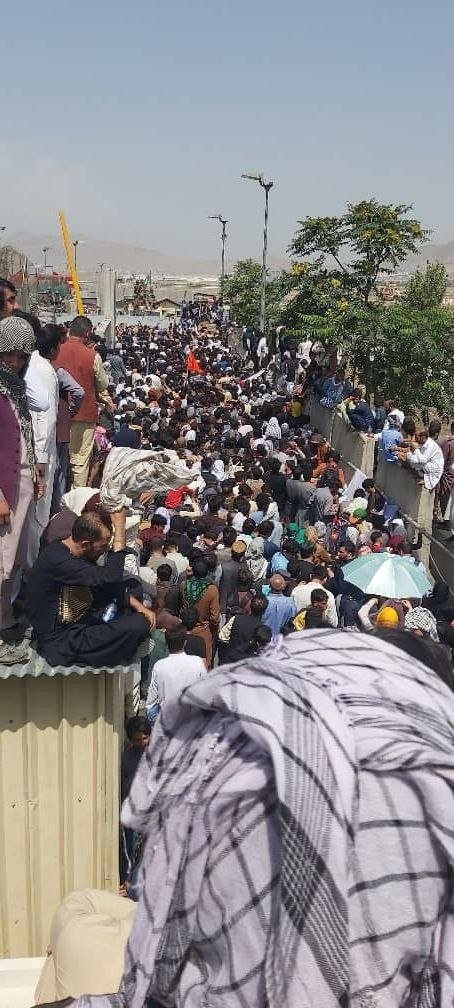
71 264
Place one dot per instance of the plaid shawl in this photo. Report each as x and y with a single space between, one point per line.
300 835
13 387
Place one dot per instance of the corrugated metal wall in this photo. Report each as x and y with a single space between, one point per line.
59 798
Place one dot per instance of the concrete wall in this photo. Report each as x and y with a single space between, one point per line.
321 419
396 482
107 289
442 564
60 743
399 483
356 449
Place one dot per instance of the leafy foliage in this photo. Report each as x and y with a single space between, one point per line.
242 289
396 351
403 350
313 290
408 354
427 287
368 239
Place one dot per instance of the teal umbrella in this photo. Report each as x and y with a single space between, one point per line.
391 576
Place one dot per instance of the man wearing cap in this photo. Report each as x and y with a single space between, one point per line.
18 474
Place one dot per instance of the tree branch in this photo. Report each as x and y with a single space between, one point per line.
341 265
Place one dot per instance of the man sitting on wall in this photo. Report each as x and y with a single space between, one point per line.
358 413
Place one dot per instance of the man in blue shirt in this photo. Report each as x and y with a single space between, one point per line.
280 608
389 439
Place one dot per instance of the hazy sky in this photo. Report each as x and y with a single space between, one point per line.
138 118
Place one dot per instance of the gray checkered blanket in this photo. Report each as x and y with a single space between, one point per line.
300 836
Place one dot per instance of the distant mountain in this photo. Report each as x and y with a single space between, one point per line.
128 258
121 256
434 252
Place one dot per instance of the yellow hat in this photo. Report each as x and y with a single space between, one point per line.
387 617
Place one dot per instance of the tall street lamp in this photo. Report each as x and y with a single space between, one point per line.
75 244
2 235
223 222
266 186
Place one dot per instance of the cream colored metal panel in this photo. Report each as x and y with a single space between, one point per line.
78 711
100 728
60 743
45 791
15 882
114 717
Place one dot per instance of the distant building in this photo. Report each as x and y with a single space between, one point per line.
390 291
167 306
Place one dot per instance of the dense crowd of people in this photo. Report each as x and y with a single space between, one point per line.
255 538
167 498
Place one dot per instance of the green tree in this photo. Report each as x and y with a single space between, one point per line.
242 289
368 239
407 354
405 350
427 288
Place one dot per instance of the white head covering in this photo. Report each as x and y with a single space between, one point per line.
272 429
75 500
272 512
422 619
16 334
218 470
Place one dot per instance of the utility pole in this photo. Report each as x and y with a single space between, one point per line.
223 222
266 186
3 259
45 250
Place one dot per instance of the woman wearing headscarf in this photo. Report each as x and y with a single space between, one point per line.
272 429
199 593
296 533
218 470
272 515
255 560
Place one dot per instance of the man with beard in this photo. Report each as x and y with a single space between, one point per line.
8 298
